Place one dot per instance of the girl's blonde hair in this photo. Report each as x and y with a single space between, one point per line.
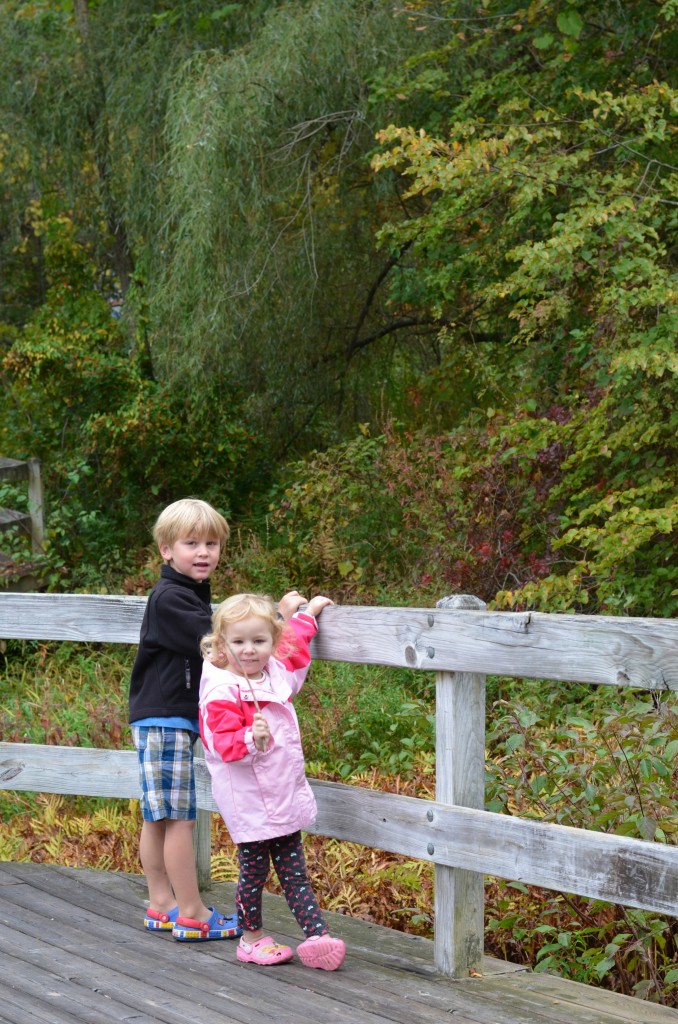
235 609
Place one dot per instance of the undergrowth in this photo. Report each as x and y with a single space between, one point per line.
591 758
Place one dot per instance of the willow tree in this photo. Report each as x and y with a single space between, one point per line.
83 93
267 268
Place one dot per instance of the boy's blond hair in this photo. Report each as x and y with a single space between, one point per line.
189 517
235 609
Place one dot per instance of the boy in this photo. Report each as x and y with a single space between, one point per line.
163 702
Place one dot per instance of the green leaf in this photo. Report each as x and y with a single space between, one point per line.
544 41
570 23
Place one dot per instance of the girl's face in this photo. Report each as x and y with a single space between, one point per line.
252 641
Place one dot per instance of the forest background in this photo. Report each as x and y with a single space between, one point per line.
395 286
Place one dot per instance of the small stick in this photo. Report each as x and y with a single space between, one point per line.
249 683
244 672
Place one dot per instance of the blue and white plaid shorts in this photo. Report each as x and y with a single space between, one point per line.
166 772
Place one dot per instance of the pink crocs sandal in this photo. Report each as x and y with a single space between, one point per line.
323 952
264 952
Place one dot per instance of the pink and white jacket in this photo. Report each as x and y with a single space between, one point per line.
260 794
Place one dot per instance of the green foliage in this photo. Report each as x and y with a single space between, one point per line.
115 445
67 694
595 760
543 218
273 211
590 761
629 951
336 520
362 718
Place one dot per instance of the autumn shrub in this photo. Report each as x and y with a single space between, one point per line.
361 718
521 227
336 524
590 760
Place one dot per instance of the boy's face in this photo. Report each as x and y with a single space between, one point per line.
192 556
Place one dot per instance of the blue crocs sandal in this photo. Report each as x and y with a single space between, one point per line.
218 926
163 922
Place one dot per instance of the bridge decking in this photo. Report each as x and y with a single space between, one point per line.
74 952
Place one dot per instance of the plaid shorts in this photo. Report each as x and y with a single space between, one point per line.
166 772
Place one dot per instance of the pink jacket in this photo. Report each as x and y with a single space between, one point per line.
260 794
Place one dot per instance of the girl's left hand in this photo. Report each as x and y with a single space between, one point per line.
316 605
260 731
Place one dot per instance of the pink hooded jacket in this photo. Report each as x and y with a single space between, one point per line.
260 794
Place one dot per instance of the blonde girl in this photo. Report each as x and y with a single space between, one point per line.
254 666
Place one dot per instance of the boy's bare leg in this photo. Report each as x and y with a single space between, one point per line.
152 856
180 868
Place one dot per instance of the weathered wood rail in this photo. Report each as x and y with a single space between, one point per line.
460 642
15 576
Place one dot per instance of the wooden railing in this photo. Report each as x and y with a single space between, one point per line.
16 471
13 575
460 642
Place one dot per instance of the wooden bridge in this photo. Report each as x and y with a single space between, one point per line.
73 938
74 952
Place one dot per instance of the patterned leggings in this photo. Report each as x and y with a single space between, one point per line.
287 855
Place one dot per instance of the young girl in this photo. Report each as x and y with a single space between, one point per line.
253 750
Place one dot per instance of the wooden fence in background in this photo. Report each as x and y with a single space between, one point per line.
21 575
460 642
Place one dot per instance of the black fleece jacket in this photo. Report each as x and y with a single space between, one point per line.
165 678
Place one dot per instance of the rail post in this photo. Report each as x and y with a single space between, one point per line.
202 834
460 779
35 504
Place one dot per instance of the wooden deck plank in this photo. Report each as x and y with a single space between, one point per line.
55 1001
76 938
149 963
566 993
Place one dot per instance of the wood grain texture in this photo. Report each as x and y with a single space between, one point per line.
595 864
622 652
461 642
74 952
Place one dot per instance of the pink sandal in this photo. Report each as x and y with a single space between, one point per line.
323 952
264 952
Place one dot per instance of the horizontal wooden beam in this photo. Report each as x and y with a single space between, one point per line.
622 652
597 865
13 470
9 519
88 618
592 864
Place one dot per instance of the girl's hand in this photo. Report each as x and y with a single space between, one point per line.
316 605
260 731
289 604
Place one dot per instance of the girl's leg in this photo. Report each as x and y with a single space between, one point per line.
287 854
254 868
318 949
